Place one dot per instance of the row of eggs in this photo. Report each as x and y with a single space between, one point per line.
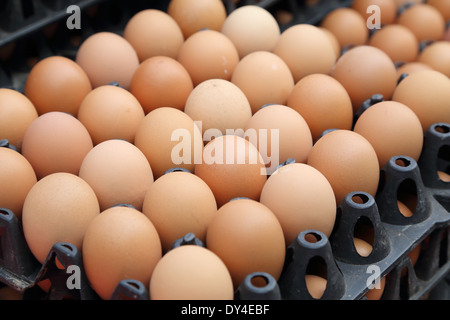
86 146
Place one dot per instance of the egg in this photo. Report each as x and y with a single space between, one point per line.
195 15
316 285
17 112
247 237
347 25
427 93
393 129
18 177
107 57
110 112
334 41
57 83
397 41
169 138
179 203
387 10
280 133
56 142
443 6
232 167
153 32
348 161
365 71
119 244
58 208
301 198
203 276
323 102
161 81
306 49
436 55
218 106
424 20
411 67
251 28
402 3
264 78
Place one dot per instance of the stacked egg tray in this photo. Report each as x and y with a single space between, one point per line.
348 274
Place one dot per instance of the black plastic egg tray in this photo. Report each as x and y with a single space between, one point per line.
347 273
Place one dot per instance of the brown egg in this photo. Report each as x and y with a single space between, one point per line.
387 9
444 176
301 198
17 112
161 82
57 84
120 244
251 28
323 102
437 56
411 67
424 20
247 236
334 41
219 106
443 6
58 208
118 172
203 276
232 167
347 25
56 142
365 71
316 285
404 209
348 161
153 32
392 129
306 49
111 112
264 78
427 93
169 138
208 54
280 133
397 41
194 15
179 203
107 57
18 177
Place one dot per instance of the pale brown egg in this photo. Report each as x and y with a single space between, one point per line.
443 6
424 20
301 198
392 129
347 25
107 57
386 8
208 54
218 106
203 276
334 41
348 161
58 208
17 112
427 93
232 167
195 15
264 78
437 56
57 84
169 138
18 177
306 49
119 244
251 28
161 81
247 236
179 203
316 285
118 172
323 102
397 41
111 112
280 133
56 142
153 32
365 71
